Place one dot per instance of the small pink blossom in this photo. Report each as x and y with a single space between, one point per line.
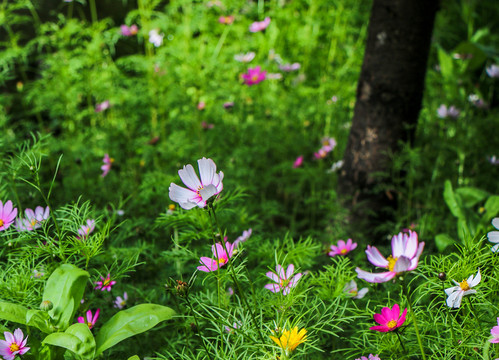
405 256
254 76
206 125
352 290
102 106
220 257
495 333
494 160
14 344
236 325
492 71
328 145
259 25
342 248
108 162
245 58
389 319
201 105
7 215
90 320
298 162
105 283
284 281
228 104
371 357
227 20
290 67
245 236
33 219
120 302
129 30
451 112
87 229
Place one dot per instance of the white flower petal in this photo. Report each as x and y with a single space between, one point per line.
207 169
402 264
189 177
495 223
375 257
207 192
398 245
493 236
475 280
454 299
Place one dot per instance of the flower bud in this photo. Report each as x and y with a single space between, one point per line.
442 276
182 288
46 305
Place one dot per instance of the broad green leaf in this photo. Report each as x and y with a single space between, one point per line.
452 201
478 57
463 231
442 241
77 338
64 289
13 312
491 207
39 319
130 322
471 196
135 357
446 64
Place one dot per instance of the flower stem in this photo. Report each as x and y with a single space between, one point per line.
449 316
406 293
472 308
401 342
197 325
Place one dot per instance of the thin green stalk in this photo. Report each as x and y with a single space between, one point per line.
220 42
472 308
93 11
406 293
197 325
401 342
454 341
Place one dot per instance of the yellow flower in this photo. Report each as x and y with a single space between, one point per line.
289 340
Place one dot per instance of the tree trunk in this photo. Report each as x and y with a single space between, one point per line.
389 95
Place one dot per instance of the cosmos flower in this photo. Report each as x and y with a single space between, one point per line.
298 162
220 257
201 105
254 76
90 320
7 215
227 20
120 302
245 58
198 192
455 294
14 344
336 166
102 106
492 71
495 333
86 230
155 37
129 30
284 281
245 236
451 112
389 319
33 219
493 236
494 160
371 357
290 339
259 25
228 104
405 257
352 290
342 248
108 162
290 67
236 325
105 283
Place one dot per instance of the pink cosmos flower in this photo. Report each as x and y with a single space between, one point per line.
14 344
220 257
245 236
492 71
405 257
199 191
102 106
201 105
284 281
389 319
495 333
33 219
105 284
108 162
371 357
120 302
451 112
254 76
290 67
245 58
259 25
455 294
129 30
227 20
7 215
352 290
342 248
236 325
91 320
228 104
86 230
298 162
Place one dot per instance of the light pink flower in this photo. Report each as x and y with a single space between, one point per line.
14 344
129 30
492 71
455 294
227 20
321 154
7 214
328 145
298 162
389 319
495 333
405 257
102 106
342 248
90 320
371 357
155 37
33 219
236 325
105 283
245 58
108 162
199 191
284 281
207 126
245 236
220 257
201 105
352 290
259 25
494 160
254 76
228 104
290 67
120 302
86 230
451 112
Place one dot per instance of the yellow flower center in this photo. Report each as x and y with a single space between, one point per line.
391 262
254 78
343 251
221 261
353 292
111 160
464 285
284 282
14 347
106 282
90 325
391 324
171 207
1 222
33 222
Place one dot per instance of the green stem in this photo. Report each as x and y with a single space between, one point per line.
401 343
472 308
197 326
93 11
406 292
449 316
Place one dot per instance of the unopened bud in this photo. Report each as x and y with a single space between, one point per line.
46 305
182 288
442 276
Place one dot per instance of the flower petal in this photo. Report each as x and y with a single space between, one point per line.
189 177
207 170
403 263
272 276
375 257
375 277
290 270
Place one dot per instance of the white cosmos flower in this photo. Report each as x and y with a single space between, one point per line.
493 236
199 191
456 293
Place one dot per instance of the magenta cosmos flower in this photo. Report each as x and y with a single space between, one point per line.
298 162
33 219
405 257
342 248
284 281
254 76
129 30
259 25
105 283
108 162
495 333
198 192
90 320
7 215
389 319
102 106
227 20
14 344
220 257
85 230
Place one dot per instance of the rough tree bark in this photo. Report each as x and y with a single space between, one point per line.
389 95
